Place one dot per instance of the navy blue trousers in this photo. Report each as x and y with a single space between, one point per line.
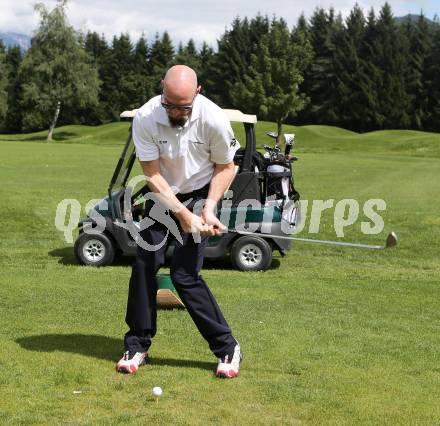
186 262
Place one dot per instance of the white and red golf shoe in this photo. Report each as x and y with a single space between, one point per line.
229 366
130 362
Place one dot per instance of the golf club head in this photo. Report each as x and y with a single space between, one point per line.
391 240
289 141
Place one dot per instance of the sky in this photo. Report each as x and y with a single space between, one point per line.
202 20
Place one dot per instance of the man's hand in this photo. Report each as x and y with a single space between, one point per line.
196 224
211 219
221 179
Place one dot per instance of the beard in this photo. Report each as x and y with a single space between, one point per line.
178 122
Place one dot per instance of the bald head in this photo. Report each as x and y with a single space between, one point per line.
180 84
179 90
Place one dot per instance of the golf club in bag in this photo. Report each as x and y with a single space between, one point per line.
280 186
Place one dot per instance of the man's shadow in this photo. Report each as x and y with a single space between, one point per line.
95 346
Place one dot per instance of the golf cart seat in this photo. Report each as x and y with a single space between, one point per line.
246 185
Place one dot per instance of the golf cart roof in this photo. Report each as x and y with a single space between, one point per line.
232 114
237 115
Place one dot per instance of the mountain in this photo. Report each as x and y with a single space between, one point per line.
15 39
412 18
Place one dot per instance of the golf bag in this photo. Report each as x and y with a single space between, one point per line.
280 191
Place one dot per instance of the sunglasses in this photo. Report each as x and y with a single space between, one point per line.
183 108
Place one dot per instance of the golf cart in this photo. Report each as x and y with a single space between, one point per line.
261 199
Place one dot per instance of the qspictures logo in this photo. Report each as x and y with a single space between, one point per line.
345 213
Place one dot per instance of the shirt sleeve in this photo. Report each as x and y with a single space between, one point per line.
146 148
223 144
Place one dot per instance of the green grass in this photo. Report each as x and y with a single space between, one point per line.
311 139
331 335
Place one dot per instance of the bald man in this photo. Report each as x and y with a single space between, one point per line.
185 146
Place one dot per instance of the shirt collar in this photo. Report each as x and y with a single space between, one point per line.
195 113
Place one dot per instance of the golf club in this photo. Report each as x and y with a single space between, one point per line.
391 240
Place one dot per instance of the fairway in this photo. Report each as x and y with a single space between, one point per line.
330 335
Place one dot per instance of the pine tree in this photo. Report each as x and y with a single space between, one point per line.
373 116
3 85
143 73
301 42
96 46
258 26
235 50
161 57
270 86
13 120
123 87
206 70
420 46
110 76
188 56
302 32
141 55
387 63
353 85
432 121
302 26
232 59
319 77
56 72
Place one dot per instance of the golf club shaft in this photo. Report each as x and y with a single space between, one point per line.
309 240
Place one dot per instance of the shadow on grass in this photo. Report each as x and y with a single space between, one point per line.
101 347
67 257
225 264
186 363
57 137
95 346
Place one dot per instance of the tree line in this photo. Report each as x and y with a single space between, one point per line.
362 73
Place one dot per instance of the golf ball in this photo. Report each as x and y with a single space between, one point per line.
157 391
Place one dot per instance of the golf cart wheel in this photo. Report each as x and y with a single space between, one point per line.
94 250
251 254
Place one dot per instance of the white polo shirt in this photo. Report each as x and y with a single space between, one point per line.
187 154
